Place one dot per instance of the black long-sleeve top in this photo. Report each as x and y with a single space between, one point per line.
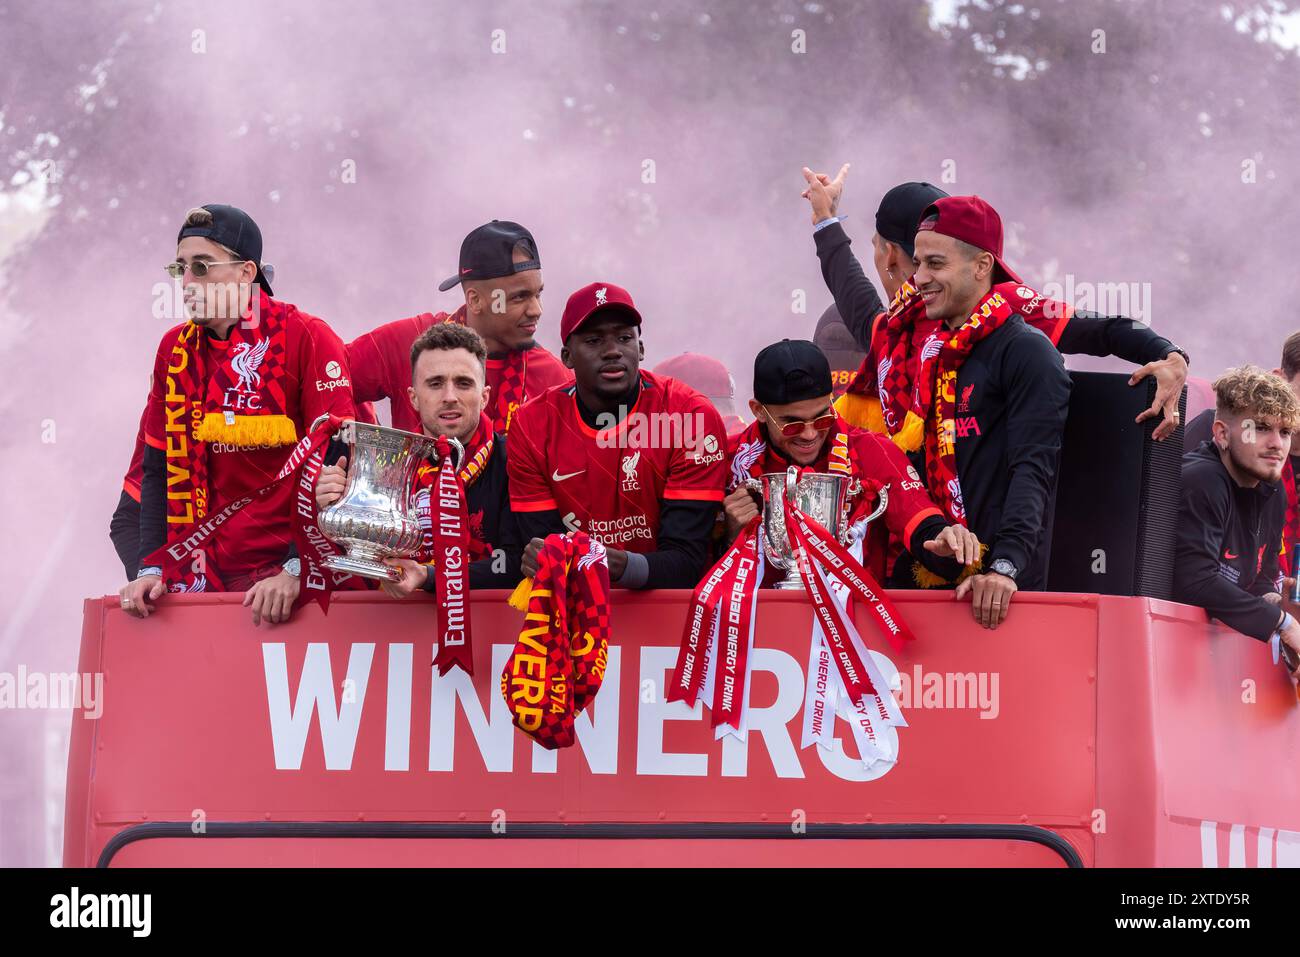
1015 395
1229 537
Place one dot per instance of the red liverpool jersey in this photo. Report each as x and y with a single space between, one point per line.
670 446
380 361
315 381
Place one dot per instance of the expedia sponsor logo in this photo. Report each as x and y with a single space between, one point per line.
700 458
332 369
323 386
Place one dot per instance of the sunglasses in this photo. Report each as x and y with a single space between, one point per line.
198 269
790 430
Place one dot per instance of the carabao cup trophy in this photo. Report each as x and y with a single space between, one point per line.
376 518
819 495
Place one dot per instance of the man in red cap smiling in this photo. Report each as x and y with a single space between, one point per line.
501 275
1073 332
634 459
988 394
709 377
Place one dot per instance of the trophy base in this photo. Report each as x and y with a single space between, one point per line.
364 567
790 584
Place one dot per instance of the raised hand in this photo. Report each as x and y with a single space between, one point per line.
823 193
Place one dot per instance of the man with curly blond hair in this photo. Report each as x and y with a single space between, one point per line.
1232 509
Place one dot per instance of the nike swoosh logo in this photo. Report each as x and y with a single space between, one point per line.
557 477
1229 556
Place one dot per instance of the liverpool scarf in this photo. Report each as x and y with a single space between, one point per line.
557 666
447 545
886 394
478 452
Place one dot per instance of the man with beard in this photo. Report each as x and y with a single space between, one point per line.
233 390
1072 332
1201 428
631 458
1232 509
501 275
795 424
448 392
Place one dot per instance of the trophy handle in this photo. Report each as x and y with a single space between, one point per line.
884 503
459 450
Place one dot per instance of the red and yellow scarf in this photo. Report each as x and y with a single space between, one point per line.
478 452
886 394
558 664
936 395
240 401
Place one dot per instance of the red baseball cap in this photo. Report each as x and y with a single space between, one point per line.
705 374
973 221
594 298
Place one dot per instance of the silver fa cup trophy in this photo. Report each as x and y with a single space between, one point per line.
821 496
376 517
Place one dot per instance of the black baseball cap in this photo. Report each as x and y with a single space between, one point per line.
488 253
901 209
234 229
790 371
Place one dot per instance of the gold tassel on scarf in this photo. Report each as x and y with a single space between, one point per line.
925 578
247 431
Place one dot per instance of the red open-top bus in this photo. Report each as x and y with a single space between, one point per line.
1087 730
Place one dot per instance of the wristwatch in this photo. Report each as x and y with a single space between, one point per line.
151 570
1004 567
1175 349
293 566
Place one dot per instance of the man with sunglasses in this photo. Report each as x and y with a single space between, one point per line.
632 458
795 424
233 390
501 275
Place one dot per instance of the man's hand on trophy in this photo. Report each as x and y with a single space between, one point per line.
413 577
331 482
740 509
956 541
990 596
136 595
823 192
529 563
272 598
